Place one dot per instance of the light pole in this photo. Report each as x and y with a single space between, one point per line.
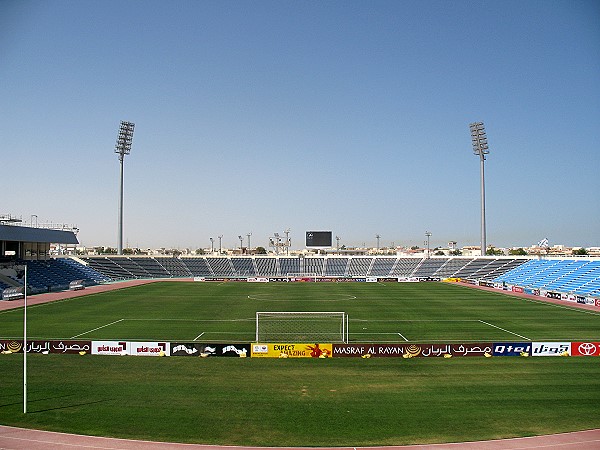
25 343
220 246
480 148
428 234
212 245
337 238
123 147
377 237
241 244
249 246
288 243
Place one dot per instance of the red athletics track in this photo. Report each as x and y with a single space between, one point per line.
22 439
12 438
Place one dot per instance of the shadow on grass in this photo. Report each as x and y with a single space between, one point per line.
74 405
30 401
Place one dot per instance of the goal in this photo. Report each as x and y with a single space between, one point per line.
311 275
325 327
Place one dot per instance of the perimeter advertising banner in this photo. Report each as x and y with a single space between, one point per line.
412 350
112 348
551 349
119 348
212 350
512 348
68 347
585 348
291 350
149 348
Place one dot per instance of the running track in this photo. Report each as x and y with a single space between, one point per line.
12 438
23 439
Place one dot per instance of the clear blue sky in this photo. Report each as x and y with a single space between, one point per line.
257 116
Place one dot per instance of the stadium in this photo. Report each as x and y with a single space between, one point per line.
344 124
496 347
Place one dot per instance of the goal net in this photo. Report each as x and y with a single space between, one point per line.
325 327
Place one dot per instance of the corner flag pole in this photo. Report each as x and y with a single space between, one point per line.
25 348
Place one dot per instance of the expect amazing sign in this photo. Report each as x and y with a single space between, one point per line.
287 350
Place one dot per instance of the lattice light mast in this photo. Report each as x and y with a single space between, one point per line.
480 148
123 147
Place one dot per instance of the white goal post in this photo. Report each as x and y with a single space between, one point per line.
311 327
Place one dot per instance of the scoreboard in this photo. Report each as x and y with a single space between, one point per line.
317 239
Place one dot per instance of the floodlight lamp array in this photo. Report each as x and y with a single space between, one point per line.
479 139
124 139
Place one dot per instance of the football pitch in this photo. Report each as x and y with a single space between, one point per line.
303 402
378 312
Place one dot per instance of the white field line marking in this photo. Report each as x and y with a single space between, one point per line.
103 326
402 337
253 319
489 324
199 336
415 320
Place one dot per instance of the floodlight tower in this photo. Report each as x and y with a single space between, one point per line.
377 237
249 247
220 246
241 244
123 147
288 243
337 238
480 148
428 235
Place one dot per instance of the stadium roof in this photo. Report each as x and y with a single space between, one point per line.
27 234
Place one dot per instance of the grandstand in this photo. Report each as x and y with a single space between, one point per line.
129 267
581 277
29 246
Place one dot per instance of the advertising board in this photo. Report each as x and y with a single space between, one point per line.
585 348
551 349
149 348
112 348
291 350
53 346
257 280
412 350
209 350
512 348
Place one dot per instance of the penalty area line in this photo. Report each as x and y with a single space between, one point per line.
489 324
199 336
399 334
98 328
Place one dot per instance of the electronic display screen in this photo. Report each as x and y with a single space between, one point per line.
318 238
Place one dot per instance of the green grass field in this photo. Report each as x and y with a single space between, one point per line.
293 402
225 312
